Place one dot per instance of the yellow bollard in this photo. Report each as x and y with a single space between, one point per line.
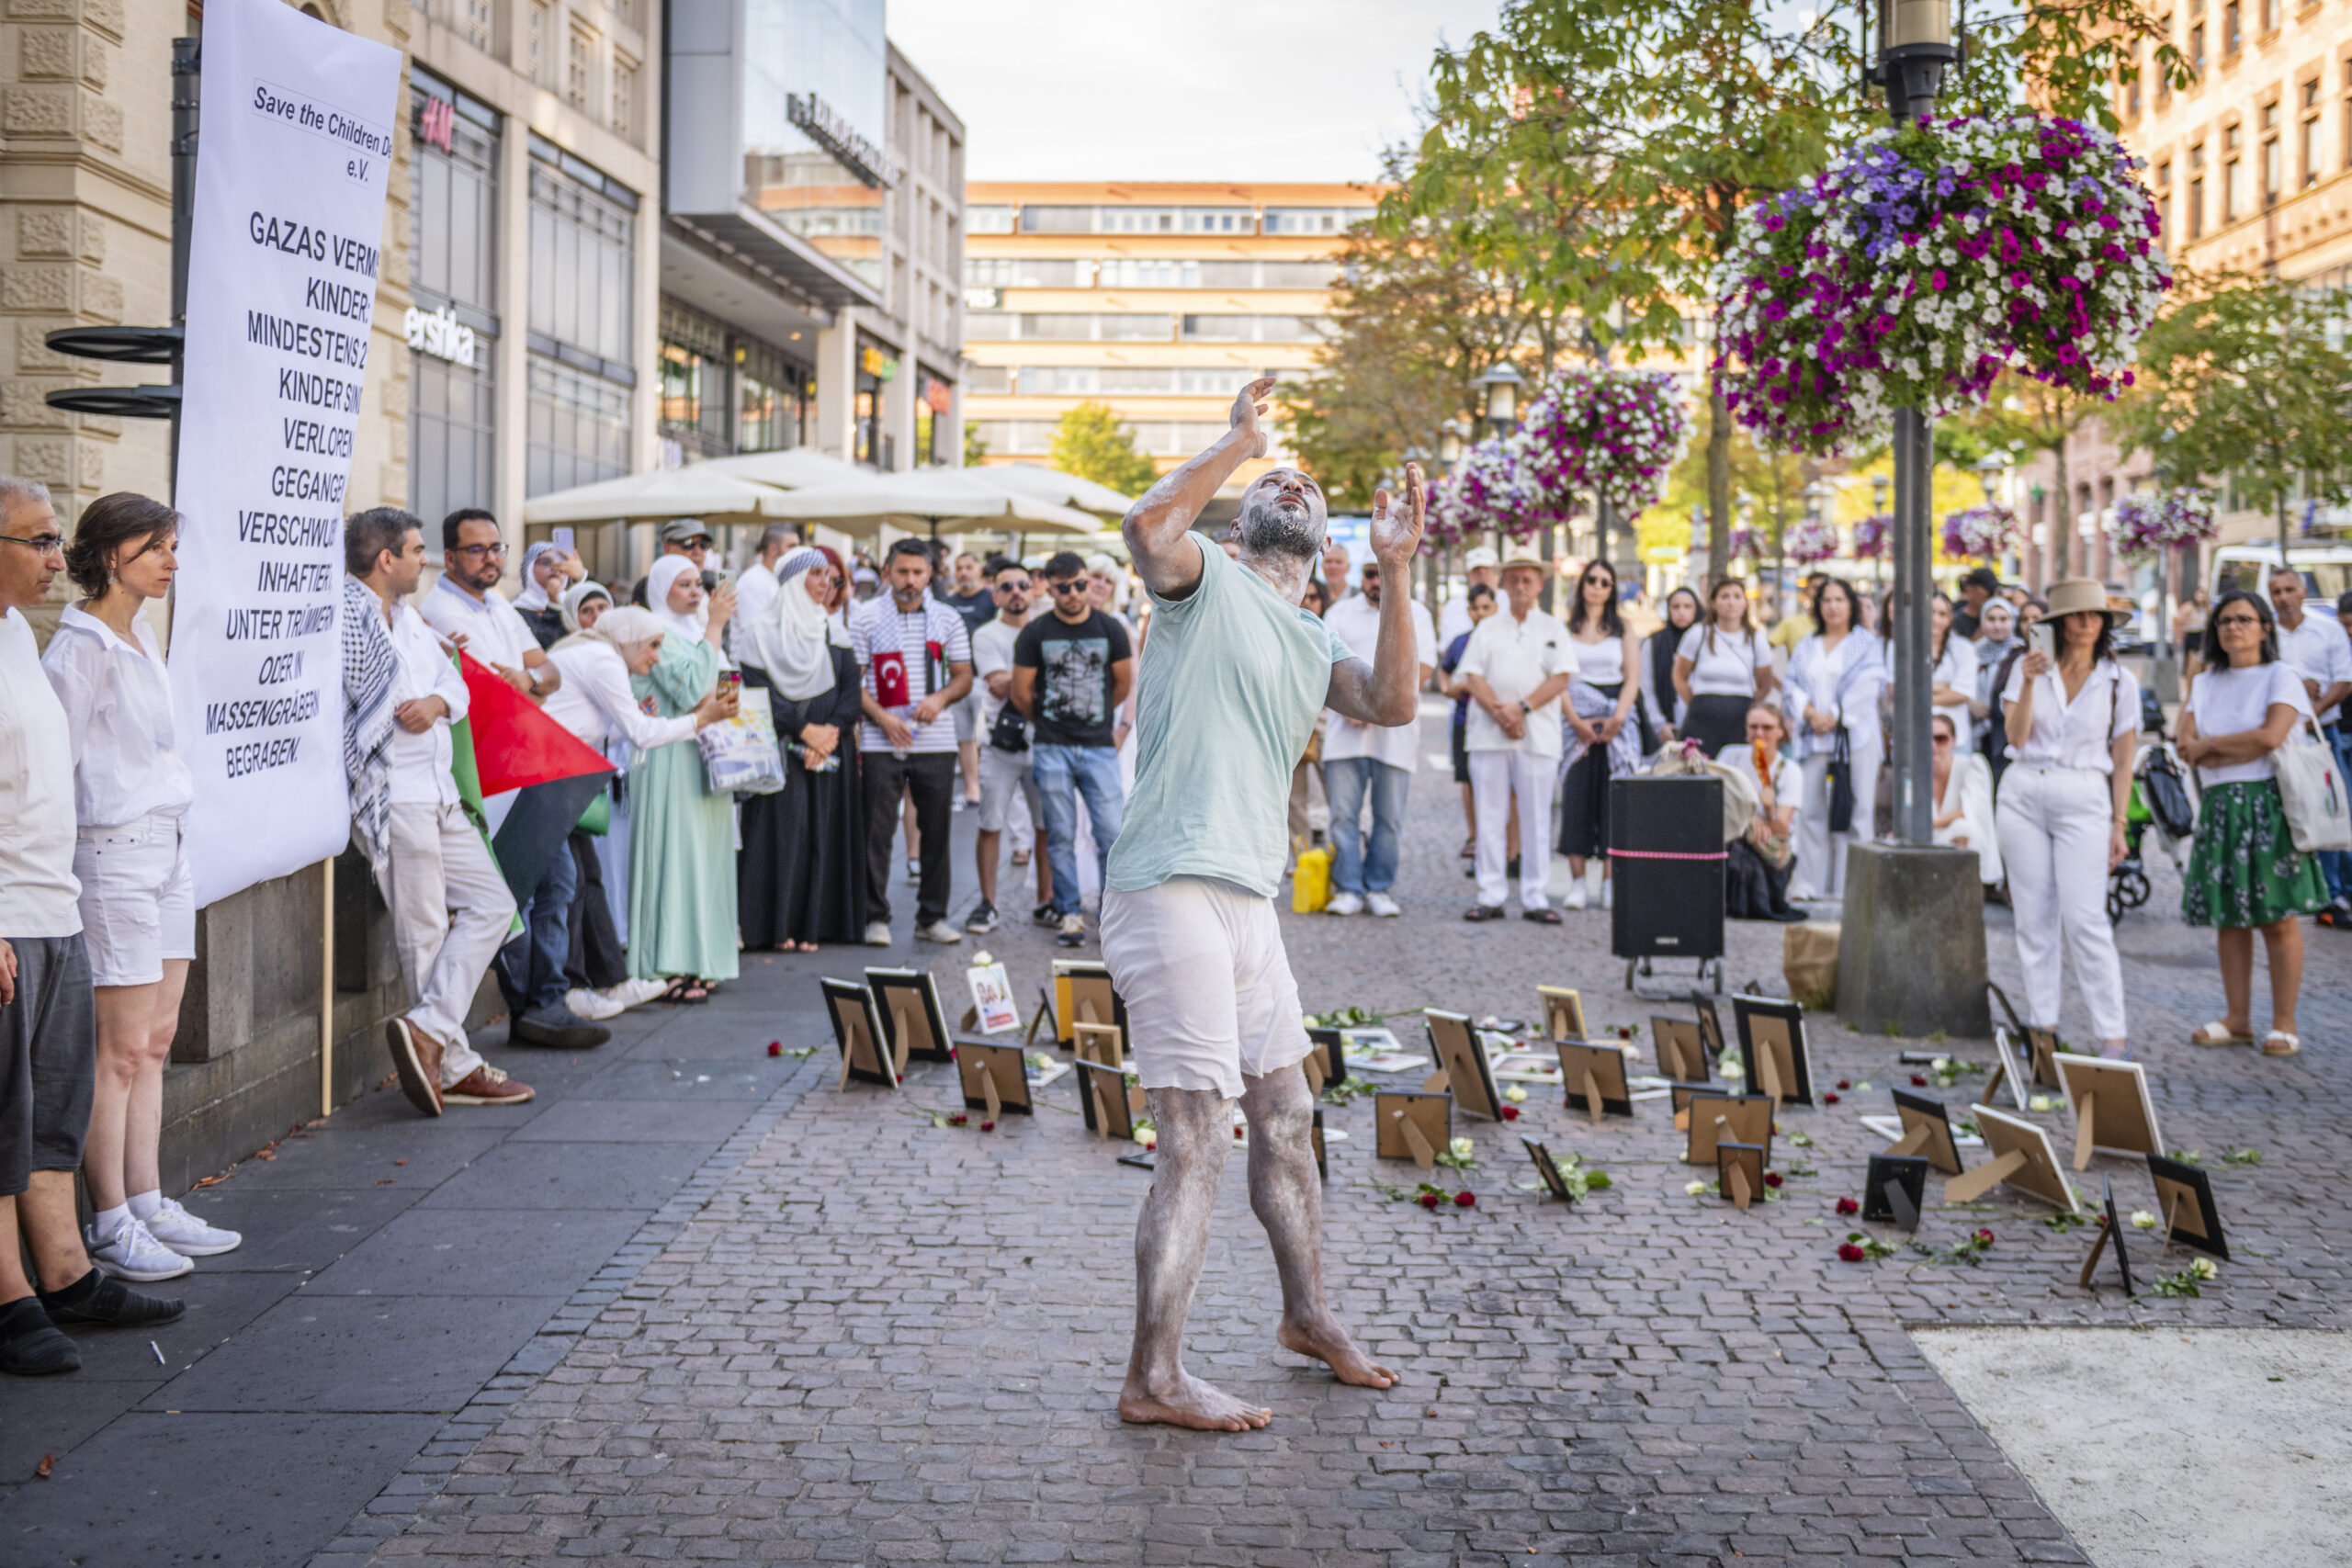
1310 885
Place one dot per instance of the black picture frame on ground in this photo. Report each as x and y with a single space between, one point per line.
1086 985
1893 1176
1429 1117
857 1030
1711 1029
978 1063
911 994
1547 1170
2185 1206
1599 1070
1103 1100
1463 1062
1330 1052
2110 1234
1727 1118
1681 1050
1773 1057
1739 1173
1927 1131
1314 1135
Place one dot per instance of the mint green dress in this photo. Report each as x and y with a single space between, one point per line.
681 837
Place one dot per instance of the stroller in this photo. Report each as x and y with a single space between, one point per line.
2160 798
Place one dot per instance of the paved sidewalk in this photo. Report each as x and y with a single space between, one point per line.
886 1341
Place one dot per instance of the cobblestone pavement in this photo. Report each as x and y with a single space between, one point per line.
883 1340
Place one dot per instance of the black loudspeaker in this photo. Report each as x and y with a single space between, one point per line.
1666 843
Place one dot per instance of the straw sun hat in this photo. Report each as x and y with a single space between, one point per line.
2081 595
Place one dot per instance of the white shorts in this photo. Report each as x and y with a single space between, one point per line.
138 899
967 710
1001 775
1199 964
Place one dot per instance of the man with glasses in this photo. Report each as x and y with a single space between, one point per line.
1005 753
1070 672
1372 761
49 1043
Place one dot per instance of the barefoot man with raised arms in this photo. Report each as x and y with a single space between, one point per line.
1233 676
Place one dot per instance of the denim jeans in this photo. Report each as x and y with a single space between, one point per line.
533 959
1063 773
2335 865
1357 867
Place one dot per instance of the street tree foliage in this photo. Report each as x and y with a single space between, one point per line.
1591 156
1092 443
2027 415
2248 376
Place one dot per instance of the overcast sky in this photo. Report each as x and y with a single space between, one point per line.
1180 89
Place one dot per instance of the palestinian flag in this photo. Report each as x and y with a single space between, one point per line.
555 774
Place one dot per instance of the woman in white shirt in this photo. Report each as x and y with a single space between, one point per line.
1834 680
1952 683
1720 668
131 792
1600 743
2244 873
1964 810
2073 725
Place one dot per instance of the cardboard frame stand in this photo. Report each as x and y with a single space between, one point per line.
2185 1203
2009 1071
1926 1132
1896 1189
1739 1173
1711 1028
1414 1127
1083 994
2040 1044
1774 1054
1681 1051
1108 1102
1727 1118
1327 1061
857 1031
2110 1229
1101 1042
1563 1012
1462 1065
995 1080
1592 1078
2021 1155
1680 1095
913 1023
1546 1171
2112 1107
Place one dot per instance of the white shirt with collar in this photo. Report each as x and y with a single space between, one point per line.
494 630
1514 657
40 895
755 596
117 705
420 763
2077 734
2319 651
1355 621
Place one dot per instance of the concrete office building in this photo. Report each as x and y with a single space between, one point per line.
1158 300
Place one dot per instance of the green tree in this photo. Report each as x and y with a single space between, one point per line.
1092 443
2038 417
2248 376
974 447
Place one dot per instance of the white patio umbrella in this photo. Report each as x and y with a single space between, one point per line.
933 498
795 468
1053 485
656 497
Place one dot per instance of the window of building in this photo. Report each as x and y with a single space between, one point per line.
624 95
987 219
988 326
1311 219
480 25
1136 328
2346 114
774 396
2164 199
453 251
2130 72
2164 87
1218 329
1023 437
2197 192
934 396
1134 220
875 366
1217 220
579 67
2274 168
1070 327
582 273
2270 15
694 402
1023 272
1131 272
535 62
2196 49
2232 137
579 429
1300 274
2233 33
989 379
1055 221
2310 148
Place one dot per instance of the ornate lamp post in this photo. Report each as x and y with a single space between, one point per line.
1502 384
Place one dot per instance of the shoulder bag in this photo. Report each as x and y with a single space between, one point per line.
2311 787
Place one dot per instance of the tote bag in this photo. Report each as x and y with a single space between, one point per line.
1841 783
2311 786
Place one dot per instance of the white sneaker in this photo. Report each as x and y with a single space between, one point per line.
1575 898
129 1253
878 933
1344 904
1609 893
1381 904
593 1005
940 932
185 1233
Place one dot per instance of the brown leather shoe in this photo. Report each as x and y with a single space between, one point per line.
487 1086
416 1056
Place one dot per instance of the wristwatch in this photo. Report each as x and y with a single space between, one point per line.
1524 708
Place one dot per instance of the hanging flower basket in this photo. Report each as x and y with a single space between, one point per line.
1488 490
1746 543
1871 535
1808 541
1980 533
1614 433
1926 260
2150 523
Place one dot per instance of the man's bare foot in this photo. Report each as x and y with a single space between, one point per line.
1330 1344
1192 1404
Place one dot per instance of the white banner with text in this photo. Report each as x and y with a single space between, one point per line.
292 166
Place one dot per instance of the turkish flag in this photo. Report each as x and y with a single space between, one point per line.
516 744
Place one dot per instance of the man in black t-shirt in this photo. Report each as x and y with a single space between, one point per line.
1070 672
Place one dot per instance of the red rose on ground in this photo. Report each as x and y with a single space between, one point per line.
1830 1098
1511 1112
1918 1080
1843 1083
1237 1132
957 1119
1984 1239
1773 1178
776 1048
1848 1253
987 1126
1465 1199
1429 1200
1848 1206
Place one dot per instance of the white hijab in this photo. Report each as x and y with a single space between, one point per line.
658 583
532 597
797 643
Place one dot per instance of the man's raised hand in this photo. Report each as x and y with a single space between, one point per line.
1248 410
1396 529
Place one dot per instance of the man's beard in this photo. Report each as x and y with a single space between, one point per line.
1268 529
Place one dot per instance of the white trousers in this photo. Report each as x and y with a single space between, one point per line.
1821 854
2054 826
1495 778
451 911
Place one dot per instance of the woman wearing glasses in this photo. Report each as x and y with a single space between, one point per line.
2073 724
1601 742
2245 874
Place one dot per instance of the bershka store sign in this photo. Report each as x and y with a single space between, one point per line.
284 251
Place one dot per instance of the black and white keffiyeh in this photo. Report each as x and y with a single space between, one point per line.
370 668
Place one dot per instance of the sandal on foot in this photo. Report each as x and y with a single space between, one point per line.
2219 1033
1483 912
2278 1043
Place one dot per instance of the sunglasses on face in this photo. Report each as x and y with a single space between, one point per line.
1021 587
1059 588
1943 740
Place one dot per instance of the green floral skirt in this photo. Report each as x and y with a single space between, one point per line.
2245 869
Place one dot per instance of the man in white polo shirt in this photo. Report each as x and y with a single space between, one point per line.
1373 760
1516 663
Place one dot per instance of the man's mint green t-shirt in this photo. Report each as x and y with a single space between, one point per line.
1233 677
